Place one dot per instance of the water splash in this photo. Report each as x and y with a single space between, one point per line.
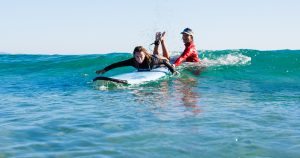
228 59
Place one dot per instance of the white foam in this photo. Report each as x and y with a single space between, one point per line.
228 59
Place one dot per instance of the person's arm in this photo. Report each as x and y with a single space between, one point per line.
186 53
167 64
129 62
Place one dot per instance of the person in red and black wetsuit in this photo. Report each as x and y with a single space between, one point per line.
189 54
142 61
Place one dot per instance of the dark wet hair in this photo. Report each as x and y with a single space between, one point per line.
139 49
142 49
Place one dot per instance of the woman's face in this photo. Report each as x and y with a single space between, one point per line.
187 38
139 56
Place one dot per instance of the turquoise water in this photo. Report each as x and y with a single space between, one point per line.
245 103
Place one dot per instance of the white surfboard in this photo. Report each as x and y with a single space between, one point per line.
137 77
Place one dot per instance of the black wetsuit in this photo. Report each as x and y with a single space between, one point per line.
146 65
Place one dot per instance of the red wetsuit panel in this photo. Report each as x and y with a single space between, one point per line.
189 54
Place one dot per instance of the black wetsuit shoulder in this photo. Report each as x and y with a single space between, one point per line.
147 64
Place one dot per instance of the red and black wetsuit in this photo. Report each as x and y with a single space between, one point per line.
189 54
146 65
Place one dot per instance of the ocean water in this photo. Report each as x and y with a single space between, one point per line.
238 103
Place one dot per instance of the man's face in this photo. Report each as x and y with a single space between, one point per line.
186 38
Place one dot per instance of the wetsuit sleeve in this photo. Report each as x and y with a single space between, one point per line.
186 53
167 64
129 62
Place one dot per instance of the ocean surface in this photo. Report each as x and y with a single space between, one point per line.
237 103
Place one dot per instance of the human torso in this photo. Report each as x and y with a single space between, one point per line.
193 54
148 64
189 54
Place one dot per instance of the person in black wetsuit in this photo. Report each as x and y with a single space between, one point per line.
142 61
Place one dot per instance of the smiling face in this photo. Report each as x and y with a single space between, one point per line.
139 56
186 38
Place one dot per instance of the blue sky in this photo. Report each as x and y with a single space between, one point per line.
98 26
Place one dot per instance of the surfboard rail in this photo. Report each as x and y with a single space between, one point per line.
110 79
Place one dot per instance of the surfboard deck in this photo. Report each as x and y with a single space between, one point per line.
136 77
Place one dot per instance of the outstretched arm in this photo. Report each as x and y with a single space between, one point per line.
182 58
129 62
167 64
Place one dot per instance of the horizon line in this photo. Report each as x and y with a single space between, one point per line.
119 52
